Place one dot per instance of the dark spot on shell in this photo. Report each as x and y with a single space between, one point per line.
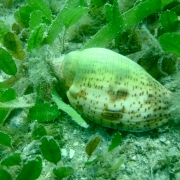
118 95
82 94
123 109
111 115
150 95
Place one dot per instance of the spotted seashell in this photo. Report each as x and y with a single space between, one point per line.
112 90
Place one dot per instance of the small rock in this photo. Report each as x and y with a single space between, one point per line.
75 143
163 139
64 152
71 153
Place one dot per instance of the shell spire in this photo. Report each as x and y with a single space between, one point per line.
112 90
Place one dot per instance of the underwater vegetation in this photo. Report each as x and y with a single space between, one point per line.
35 115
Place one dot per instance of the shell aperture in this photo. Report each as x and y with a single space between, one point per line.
112 90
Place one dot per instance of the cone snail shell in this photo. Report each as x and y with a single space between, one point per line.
112 90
